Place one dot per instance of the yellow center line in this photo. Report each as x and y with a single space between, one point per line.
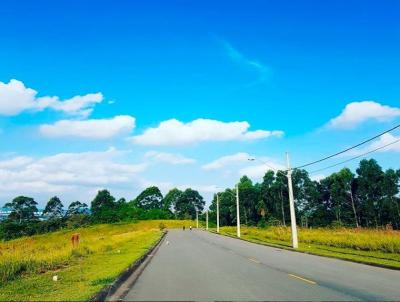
303 279
254 260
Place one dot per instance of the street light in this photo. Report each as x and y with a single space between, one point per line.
217 212
295 243
237 212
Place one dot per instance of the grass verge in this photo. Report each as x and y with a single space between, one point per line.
27 265
373 247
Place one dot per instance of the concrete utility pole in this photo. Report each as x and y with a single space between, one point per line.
217 213
295 243
197 219
237 211
207 220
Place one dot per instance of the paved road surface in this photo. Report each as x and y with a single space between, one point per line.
197 265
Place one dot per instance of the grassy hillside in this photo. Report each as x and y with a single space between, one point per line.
361 245
27 265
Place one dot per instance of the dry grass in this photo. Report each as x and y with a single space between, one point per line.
357 239
41 253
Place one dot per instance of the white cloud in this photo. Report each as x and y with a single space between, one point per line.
94 128
385 139
317 177
15 162
174 132
16 98
258 171
170 158
66 173
227 160
238 162
357 113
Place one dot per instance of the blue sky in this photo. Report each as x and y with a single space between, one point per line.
129 94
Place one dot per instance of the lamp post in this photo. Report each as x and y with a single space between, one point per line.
217 213
295 243
237 210
207 220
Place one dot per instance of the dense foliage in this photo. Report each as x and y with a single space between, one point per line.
150 204
368 198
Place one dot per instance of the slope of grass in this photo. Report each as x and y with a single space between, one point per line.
27 265
376 247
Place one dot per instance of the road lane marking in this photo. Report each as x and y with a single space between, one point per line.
303 279
254 260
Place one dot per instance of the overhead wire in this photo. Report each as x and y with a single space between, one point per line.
348 149
355 157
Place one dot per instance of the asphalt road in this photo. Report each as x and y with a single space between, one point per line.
201 266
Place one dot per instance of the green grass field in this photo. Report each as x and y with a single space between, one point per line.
27 265
376 247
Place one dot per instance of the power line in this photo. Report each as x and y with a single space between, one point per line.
348 149
358 156
269 166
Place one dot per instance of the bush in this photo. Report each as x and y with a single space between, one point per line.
78 220
262 224
162 226
336 224
10 229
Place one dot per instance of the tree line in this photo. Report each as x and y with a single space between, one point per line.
149 204
367 198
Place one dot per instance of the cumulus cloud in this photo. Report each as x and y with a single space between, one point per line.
385 139
170 158
16 98
258 170
93 128
65 173
226 161
174 132
15 162
317 177
357 113
239 162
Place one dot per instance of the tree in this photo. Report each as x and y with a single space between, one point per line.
390 190
188 203
271 202
248 197
53 209
150 198
22 209
171 198
227 207
103 207
342 192
369 191
76 208
279 195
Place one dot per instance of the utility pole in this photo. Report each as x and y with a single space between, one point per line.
197 219
207 220
237 211
217 213
295 243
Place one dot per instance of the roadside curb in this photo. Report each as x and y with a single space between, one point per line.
309 253
109 292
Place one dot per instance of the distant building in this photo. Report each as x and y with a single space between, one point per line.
4 212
